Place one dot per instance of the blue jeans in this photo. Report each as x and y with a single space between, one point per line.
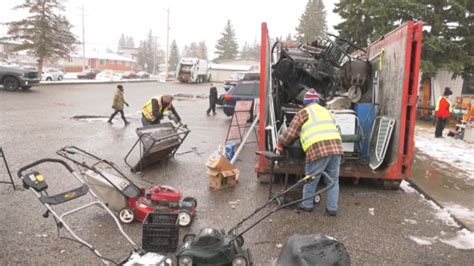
331 165
148 123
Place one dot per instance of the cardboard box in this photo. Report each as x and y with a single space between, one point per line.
219 163
221 180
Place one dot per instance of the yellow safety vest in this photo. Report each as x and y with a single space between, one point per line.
439 100
319 126
147 109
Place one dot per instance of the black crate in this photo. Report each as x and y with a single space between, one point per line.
160 232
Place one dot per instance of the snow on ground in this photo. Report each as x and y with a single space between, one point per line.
464 239
446 151
423 240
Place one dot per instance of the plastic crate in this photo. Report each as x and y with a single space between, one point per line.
160 232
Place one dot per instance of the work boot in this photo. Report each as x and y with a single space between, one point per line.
331 213
303 208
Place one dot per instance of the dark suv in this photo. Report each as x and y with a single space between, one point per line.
245 90
240 76
13 77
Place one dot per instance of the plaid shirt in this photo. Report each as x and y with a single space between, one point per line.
317 150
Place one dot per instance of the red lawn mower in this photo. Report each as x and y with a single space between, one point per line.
131 202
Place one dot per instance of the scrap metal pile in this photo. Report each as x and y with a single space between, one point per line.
326 65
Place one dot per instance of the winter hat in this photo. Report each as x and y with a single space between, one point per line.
447 91
311 96
120 87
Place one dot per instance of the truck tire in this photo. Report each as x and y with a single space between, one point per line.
60 78
11 83
49 79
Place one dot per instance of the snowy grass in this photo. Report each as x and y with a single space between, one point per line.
446 151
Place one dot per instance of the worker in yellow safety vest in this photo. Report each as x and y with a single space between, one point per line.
321 141
157 108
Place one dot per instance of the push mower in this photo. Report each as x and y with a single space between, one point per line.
216 247
36 183
131 202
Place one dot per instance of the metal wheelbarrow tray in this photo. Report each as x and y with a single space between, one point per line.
156 143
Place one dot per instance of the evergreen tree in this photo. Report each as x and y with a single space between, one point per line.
147 57
45 33
122 42
130 43
447 38
227 47
173 57
255 51
202 50
312 22
289 38
193 50
245 52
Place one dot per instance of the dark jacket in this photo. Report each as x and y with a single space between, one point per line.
212 95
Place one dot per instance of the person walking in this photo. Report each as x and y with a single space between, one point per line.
157 108
321 141
117 105
443 110
212 100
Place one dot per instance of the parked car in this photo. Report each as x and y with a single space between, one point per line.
129 75
88 74
108 75
240 76
245 90
13 77
212 247
50 74
143 75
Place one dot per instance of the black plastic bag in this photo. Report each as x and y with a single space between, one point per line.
305 250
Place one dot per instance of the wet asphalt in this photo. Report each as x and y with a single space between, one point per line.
36 123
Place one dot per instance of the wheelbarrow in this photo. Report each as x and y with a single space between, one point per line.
156 143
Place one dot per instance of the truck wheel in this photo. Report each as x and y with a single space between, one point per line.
49 79
11 84
60 78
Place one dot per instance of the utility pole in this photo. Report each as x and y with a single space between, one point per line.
154 57
167 42
83 42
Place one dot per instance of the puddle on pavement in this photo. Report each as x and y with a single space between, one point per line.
446 185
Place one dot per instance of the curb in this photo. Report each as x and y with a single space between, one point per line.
93 82
427 196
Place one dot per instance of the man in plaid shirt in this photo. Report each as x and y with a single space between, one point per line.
321 141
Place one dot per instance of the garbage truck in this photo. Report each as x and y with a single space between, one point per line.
193 70
372 93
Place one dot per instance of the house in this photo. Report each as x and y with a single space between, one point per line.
97 60
224 69
6 48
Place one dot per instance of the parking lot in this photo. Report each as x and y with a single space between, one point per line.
376 226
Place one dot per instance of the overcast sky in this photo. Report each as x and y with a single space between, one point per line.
190 20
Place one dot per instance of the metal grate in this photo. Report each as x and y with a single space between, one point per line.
380 140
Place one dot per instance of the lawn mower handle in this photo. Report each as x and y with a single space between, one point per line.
45 160
306 179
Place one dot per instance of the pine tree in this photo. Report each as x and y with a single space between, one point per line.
122 42
227 47
193 50
130 43
45 33
147 56
447 38
245 52
289 38
312 22
202 50
174 57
